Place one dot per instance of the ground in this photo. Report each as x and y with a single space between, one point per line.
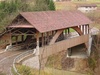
6 61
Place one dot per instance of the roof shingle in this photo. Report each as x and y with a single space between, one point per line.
53 20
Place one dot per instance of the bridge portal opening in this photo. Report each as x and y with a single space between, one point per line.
79 51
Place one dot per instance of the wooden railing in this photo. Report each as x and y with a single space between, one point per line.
63 45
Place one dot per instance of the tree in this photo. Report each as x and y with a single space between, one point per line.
10 8
44 5
51 5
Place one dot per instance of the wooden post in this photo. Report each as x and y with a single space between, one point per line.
55 36
42 39
68 30
10 39
83 29
16 39
37 41
88 28
80 27
47 37
22 38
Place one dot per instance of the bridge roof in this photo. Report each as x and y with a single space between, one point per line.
45 21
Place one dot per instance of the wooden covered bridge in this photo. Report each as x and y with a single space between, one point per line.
48 32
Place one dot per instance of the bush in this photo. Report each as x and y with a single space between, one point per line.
24 70
9 10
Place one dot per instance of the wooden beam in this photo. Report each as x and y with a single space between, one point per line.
83 29
80 33
10 38
68 30
16 40
22 38
42 39
22 34
77 30
63 45
37 43
88 28
56 36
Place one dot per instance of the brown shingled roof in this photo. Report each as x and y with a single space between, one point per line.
53 20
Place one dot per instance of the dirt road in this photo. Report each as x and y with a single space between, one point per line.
6 61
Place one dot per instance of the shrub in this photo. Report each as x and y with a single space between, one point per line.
24 70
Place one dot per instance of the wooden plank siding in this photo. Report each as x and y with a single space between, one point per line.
4 41
62 45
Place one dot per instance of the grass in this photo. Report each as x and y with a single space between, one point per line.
25 70
64 6
46 71
61 72
13 72
89 1
72 5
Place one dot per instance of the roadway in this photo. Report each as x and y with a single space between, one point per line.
6 61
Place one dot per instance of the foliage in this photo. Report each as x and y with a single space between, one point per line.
43 5
55 61
24 70
95 17
93 60
51 5
92 63
10 8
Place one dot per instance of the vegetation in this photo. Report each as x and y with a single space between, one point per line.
43 5
10 8
95 17
2 73
24 70
54 61
93 60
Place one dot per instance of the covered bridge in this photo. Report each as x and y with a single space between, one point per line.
48 32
